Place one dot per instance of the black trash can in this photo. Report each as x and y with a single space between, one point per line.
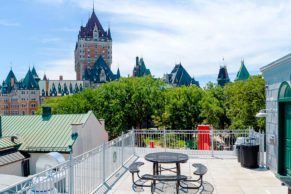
238 152
249 155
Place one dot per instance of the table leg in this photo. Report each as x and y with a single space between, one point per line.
178 173
155 172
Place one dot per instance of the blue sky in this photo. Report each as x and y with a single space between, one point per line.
198 33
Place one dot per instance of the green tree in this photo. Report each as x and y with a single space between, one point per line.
213 106
243 100
129 102
182 107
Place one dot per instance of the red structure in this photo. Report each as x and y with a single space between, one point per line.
203 137
152 144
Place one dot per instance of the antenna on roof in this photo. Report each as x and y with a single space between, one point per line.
93 5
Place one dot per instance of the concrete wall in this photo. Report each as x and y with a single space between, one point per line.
274 78
90 135
12 169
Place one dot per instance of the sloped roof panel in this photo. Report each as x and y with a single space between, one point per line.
42 134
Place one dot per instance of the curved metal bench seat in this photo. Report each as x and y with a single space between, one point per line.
164 177
134 167
200 169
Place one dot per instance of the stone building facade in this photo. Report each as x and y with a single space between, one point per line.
19 97
24 97
93 42
278 118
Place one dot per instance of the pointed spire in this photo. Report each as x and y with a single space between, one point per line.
222 77
118 73
44 77
243 73
109 33
93 6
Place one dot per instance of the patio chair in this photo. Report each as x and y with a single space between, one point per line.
200 171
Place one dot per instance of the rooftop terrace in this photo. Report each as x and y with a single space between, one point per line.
224 176
105 168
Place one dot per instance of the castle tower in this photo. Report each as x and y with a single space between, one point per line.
223 77
93 42
243 73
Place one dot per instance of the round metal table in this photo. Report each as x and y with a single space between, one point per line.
166 158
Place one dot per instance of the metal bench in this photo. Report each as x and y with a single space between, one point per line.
164 178
200 170
134 169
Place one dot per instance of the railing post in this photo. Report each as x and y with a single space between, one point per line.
71 173
122 148
212 141
133 141
165 142
103 162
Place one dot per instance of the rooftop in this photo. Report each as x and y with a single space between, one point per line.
225 175
105 168
38 133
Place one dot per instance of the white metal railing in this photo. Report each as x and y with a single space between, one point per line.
198 143
192 142
83 173
86 173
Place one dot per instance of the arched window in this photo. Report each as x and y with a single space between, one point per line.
284 92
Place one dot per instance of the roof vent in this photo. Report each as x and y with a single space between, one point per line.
46 111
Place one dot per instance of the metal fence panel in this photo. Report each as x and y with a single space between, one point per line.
81 174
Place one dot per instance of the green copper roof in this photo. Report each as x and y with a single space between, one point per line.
9 142
29 83
33 71
9 79
243 73
10 76
42 134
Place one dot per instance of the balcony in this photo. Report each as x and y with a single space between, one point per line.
105 168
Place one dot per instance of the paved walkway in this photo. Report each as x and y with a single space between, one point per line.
224 176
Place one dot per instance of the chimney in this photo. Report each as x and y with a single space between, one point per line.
61 78
136 61
46 111
0 126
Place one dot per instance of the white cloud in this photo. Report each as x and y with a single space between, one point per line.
54 68
197 33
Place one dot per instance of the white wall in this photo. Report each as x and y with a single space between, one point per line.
90 135
12 169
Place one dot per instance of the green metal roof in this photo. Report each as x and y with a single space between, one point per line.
43 134
9 142
243 73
